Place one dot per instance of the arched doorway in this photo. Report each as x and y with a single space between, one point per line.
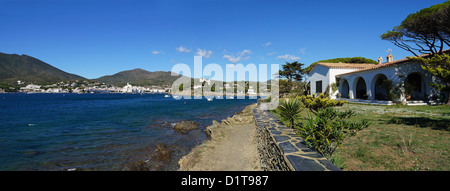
361 89
381 93
414 87
345 88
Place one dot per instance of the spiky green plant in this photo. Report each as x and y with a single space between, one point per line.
290 110
327 129
316 103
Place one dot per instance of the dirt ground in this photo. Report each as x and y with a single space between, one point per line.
232 146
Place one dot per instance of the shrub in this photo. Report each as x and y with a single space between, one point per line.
289 110
327 129
267 100
319 102
296 92
392 91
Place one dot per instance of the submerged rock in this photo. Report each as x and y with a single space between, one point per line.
164 152
154 158
186 126
31 152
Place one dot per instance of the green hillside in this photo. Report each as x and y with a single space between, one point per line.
139 77
15 67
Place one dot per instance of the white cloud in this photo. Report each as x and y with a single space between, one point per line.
288 57
267 44
271 53
205 53
241 56
183 49
156 52
231 58
302 50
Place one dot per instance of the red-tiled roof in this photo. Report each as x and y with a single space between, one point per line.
346 65
342 65
393 63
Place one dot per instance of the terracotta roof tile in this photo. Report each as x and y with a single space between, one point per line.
393 63
346 65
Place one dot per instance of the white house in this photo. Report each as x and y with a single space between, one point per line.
31 87
128 88
323 75
208 81
251 91
363 81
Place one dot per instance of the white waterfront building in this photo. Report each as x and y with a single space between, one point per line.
127 89
251 91
31 87
363 81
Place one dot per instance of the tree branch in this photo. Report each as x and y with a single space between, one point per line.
404 46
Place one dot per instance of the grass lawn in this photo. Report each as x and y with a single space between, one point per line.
399 138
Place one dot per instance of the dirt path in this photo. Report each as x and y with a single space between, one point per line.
232 146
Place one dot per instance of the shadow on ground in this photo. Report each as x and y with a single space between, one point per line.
423 122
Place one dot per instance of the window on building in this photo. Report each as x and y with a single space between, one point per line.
319 86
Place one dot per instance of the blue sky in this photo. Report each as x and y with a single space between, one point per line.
93 38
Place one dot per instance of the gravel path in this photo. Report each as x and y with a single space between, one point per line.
232 146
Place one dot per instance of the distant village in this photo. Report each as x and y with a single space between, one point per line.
79 86
85 86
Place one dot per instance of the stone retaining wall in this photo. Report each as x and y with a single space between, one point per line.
281 150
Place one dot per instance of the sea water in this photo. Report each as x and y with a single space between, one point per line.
102 131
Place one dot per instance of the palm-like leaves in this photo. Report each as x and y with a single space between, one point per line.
290 110
327 130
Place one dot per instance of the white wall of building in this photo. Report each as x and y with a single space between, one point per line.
319 73
327 76
397 73
333 72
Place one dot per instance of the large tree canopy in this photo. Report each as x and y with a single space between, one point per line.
427 31
439 66
293 71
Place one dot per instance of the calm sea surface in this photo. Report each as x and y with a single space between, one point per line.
101 131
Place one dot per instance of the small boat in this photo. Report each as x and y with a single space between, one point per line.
209 99
167 95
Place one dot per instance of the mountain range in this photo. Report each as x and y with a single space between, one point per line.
139 77
14 67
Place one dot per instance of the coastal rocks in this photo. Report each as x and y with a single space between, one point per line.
208 133
208 130
231 145
246 116
186 126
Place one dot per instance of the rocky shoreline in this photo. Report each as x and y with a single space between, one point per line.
231 145
160 157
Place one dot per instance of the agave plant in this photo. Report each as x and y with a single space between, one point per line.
327 129
290 110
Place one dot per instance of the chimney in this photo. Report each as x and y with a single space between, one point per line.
380 60
390 58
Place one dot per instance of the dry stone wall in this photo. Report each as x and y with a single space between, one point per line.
281 150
